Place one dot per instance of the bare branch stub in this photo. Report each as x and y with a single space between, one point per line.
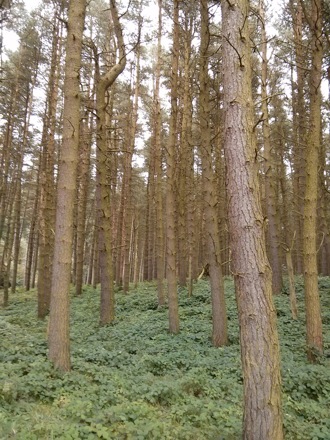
231 5
241 65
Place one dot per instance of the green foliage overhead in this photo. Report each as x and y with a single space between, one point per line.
133 380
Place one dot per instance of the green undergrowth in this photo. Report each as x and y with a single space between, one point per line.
133 380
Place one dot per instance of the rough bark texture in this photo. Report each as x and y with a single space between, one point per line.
184 151
170 182
188 164
299 129
212 240
59 340
270 168
158 169
314 337
251 270
47 184
107 307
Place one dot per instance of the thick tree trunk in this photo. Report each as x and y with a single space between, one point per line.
103 83
160 263
299 130
250 266
213 257
314 336
59 338
170 183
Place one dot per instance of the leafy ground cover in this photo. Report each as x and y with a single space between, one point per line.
133 380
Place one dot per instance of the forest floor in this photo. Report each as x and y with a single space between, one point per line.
133 380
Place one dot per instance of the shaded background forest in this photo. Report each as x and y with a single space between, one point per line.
138 104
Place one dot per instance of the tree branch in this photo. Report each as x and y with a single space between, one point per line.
109 77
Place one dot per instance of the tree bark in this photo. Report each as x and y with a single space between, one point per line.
314 337
104 82
213 257
158 168
58 338
83 186
185 151
251 270
7 147
270 167
173 307
47 184
128 208
299 129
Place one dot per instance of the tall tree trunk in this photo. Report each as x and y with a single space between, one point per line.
128 219
299 134
47 185
148 226
185 147
35 263
58 337
83 186
251 270
19 177
149 262
270 167
17 212
31 247
17 224
6 152
219 315
191 223
96 255
158 168
103 83
192 255
289 236
174 326
6 258
314 338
